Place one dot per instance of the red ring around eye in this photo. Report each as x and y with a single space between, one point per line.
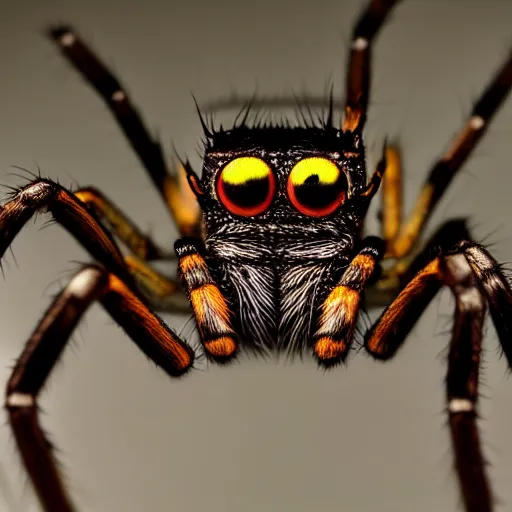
246 186
316 187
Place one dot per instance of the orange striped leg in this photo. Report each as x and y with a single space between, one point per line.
338 317
399 318
210 307
44 349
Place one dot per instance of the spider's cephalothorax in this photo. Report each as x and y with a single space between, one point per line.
282 216
277 262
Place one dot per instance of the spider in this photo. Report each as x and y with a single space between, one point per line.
276 182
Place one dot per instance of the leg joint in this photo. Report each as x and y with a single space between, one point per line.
17 400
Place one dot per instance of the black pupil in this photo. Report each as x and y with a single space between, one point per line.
317 195
249 194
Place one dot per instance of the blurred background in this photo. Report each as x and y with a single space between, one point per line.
256 435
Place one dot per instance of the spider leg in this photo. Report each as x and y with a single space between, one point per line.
172 185
44 349
338 317
474 278
391 195
43 195
122 227
210 307
496 290
163 291
358 72
450 163
462 383
391 281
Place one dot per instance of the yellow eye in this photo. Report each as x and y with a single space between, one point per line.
316 186
246 186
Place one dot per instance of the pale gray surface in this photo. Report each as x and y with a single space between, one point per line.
255 436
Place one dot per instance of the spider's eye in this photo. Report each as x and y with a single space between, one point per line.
316 186
246 186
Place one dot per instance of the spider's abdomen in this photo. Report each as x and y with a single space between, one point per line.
277 279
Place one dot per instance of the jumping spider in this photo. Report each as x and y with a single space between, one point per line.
273 260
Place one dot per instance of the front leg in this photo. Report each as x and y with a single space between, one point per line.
338 316
211 309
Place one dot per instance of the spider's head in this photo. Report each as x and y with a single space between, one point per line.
300 182
283 187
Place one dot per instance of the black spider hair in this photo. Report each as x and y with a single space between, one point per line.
261 129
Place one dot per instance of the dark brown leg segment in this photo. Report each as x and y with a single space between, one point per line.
171 186
44 348
47 196
462 383
358 73
70 212
447 167
474 278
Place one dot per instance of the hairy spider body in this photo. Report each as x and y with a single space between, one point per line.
278 267
272 255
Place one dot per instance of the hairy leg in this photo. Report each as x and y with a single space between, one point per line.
172 186
474 278
44 348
